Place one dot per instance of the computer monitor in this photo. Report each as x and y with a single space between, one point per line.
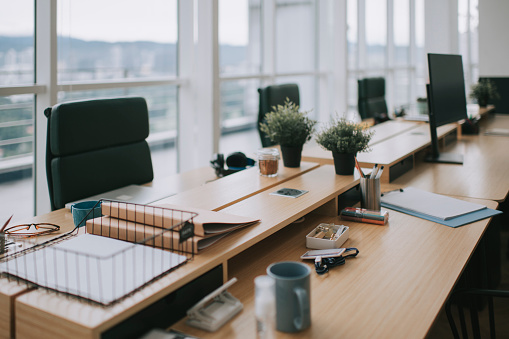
446 99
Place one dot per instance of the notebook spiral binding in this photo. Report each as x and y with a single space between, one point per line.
148 242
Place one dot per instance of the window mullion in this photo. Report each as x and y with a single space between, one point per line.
45 74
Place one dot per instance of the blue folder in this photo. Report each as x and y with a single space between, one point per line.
454 222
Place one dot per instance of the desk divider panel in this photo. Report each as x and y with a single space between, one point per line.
235 187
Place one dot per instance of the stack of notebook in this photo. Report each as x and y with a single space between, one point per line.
135 223
436 207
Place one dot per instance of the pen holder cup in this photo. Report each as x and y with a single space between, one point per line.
370 194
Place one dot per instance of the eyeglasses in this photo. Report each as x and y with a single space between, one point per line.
31 230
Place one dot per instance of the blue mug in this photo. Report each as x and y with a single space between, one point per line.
85 210
293 304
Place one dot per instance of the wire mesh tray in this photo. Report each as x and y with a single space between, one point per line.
110 258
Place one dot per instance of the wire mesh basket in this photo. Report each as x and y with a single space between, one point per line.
111 256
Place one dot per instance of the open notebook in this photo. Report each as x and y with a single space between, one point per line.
133 193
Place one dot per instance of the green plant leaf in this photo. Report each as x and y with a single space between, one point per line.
342 136
287 126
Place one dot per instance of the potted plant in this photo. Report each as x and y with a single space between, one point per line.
290 128
344 139
484 91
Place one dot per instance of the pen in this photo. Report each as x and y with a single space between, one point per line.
373 172
359 168
379 174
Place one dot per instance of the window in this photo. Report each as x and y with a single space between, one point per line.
295 36
108 45
376 34
138 41
386 38
257 49
16 111
468 29
104 52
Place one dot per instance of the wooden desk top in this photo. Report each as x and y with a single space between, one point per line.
184 181
394 288
233 188
483 174
388 151
401 146
495 121
391 128
46 313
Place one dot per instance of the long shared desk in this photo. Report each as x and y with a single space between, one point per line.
395 287
396 152
483 174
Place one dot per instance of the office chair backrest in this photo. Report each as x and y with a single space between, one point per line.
371 94
271 96
95 146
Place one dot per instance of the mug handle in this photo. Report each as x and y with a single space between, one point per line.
302 321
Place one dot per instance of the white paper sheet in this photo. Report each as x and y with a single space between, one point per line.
94 267
435 205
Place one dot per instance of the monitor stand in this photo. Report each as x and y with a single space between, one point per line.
436 156
446 158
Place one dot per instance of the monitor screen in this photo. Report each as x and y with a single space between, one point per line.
448 101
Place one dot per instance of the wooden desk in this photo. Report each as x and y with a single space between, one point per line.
11 289
395 288
483 174
495 121
57 316
396 153
202 189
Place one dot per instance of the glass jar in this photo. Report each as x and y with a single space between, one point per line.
268 161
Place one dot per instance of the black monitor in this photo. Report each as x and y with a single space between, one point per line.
446 99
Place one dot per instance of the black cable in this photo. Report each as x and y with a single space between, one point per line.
322 265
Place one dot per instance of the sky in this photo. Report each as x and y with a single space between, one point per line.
121 20
156 20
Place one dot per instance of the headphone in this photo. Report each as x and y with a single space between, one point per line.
236 161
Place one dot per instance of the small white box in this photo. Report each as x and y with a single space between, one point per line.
321 243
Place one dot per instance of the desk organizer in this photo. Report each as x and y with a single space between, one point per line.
104 263
323 243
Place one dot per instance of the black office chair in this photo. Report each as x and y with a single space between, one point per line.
95 146
371 99
477 285
473 292
271 96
